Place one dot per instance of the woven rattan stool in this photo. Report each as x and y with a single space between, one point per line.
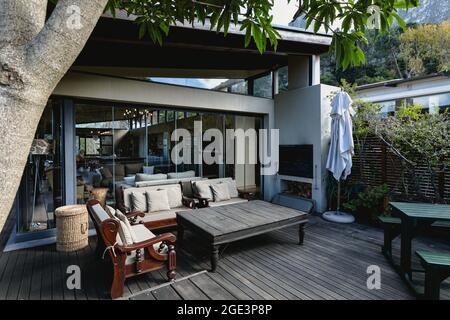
71 228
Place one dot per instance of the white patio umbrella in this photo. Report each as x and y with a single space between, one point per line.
339 160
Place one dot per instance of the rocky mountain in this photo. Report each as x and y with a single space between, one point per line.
429 11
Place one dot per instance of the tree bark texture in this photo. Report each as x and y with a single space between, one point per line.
34 56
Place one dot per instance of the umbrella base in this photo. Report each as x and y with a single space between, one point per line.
338 216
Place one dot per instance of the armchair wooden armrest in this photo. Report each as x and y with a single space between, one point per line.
202 202
165 237
188 202
132 216
123 208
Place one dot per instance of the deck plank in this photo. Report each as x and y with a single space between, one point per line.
330 265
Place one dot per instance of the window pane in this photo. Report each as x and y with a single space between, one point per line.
283 79
262 87
241 87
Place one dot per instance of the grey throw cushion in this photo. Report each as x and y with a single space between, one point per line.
148 169
157 200
220 192
138 201
181 175
150 177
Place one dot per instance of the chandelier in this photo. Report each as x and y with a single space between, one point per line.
135 113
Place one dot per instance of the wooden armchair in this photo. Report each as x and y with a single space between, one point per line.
147 254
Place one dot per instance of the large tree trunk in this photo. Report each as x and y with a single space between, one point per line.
34 56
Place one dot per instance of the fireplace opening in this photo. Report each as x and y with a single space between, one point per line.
301 189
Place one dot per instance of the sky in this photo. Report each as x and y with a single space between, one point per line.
282 15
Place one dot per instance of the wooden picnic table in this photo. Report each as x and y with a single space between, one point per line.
412 216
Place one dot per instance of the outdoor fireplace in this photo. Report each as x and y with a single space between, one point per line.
301 189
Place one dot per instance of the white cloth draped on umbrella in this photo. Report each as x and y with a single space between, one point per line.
341 148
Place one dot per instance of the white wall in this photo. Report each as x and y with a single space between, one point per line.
86 86
415 88
302 115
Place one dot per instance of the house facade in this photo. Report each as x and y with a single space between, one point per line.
432 92
106 125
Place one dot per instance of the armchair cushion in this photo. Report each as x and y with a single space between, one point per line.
220 192
138 201
157 200
124 219
125 233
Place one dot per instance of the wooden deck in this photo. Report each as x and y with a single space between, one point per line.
330 265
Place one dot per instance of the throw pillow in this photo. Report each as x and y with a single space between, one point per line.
232 188
220 192
174 195
110 211
123 218
203 190
157 200
138 201
148 170
124 233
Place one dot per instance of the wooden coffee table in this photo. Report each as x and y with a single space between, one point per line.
228 223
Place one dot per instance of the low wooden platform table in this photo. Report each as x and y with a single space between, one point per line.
228 223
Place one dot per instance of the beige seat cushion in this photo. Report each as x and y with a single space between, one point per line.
161 215
220 192
227 202
157 200
143 234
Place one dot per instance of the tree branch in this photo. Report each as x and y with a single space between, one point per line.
51 53
21 20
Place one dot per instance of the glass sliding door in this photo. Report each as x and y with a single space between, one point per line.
247 174
187 120
213 122
41 189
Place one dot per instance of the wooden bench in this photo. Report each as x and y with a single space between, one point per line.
391 227
437 269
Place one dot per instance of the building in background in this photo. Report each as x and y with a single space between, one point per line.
432 92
